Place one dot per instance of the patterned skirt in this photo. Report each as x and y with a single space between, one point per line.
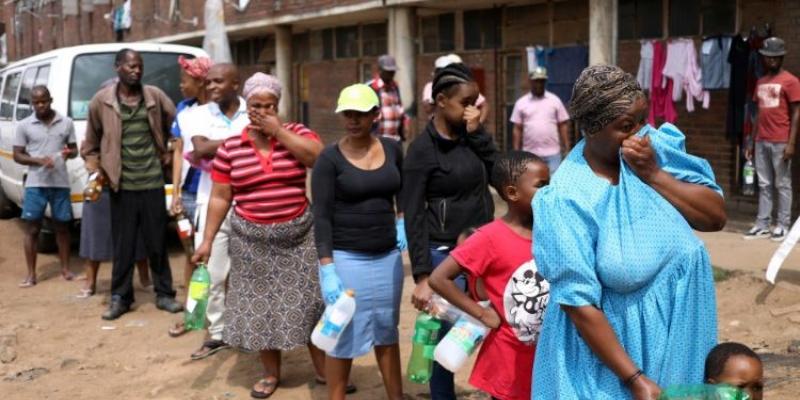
273 300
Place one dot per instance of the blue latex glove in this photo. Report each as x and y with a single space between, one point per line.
402 242
329 283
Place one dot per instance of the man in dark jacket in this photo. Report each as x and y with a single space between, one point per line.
126 137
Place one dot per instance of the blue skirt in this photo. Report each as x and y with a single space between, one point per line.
377 280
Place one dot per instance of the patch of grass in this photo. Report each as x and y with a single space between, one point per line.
721 274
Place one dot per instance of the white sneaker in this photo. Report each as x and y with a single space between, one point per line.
756 233
778 234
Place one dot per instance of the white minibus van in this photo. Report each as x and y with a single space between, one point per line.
73 75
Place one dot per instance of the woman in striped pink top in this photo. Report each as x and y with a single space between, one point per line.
273 299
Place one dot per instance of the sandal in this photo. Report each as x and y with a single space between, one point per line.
27 283
268 387
351 387
209 348
85 293
177 330
67 275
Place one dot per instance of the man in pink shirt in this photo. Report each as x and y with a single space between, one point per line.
541 123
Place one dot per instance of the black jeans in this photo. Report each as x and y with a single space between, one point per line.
133 213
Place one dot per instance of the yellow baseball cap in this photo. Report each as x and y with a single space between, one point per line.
358 97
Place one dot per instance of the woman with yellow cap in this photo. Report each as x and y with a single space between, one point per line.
354 186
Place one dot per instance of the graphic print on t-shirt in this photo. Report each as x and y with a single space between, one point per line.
769 94
524 301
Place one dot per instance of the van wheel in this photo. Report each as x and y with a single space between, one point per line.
7 208
46 243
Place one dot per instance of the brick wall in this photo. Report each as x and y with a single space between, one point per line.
149 20
326 79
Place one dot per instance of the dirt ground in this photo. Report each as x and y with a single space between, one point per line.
55 346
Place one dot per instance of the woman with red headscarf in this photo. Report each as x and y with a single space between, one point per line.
185 178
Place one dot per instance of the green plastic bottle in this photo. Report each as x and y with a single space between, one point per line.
703 392
426 335
197 299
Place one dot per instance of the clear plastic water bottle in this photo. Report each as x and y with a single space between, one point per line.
443 310
462 340
197 299
749 179
426 334
333 322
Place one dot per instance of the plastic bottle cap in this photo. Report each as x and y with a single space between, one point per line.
350 292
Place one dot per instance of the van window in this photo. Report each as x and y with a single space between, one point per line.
42 76
2 81
9 94
24 98
34 76
90 72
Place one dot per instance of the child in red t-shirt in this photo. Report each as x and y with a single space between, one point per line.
499 254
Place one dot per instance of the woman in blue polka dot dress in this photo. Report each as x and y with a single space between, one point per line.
613 235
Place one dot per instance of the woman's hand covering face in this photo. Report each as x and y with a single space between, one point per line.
638 153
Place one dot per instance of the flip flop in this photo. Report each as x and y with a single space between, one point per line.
177 330
351 387
85 294
268 386
27 283
213 346
68 276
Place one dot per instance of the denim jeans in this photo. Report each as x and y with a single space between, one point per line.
773 173
441 385
553 162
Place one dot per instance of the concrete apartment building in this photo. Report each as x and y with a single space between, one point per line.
318 46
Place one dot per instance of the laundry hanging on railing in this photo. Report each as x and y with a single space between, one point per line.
661 105
645 74
714 62
681 65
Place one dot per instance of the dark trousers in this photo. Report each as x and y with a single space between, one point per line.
441 385
134 213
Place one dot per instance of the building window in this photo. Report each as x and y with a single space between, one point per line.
640 19
367 72
373 40
438 33
301 47
327 44
515 79
719 16
347 42
701 17
248 52
482 29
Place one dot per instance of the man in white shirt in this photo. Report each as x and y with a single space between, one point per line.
206 127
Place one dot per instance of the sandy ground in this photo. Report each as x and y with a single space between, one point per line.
61 349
